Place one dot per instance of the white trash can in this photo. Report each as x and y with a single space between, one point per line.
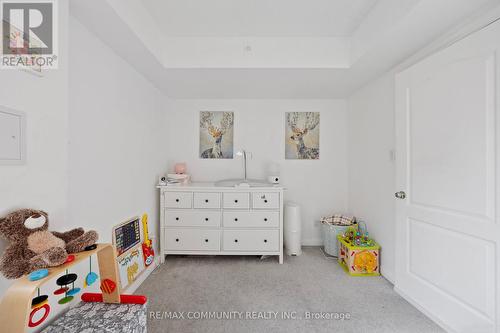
293 229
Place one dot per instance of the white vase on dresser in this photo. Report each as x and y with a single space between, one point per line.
202 219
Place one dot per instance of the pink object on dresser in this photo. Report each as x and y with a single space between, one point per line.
180 168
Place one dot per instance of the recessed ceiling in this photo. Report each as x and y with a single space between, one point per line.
260 18
270 48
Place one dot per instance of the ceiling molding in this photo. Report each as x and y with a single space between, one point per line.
258 18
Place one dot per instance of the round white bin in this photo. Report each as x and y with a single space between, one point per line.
293 229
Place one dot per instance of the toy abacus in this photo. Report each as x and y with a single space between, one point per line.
19 308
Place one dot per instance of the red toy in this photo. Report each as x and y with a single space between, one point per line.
108 286
69 259
124 299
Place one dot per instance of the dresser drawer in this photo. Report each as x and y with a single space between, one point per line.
253 219
178 199
192 239
206 200
251 240
236 200
265 200
191 218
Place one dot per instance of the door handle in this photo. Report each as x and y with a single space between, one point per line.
400 195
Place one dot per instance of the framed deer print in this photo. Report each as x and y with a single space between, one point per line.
302 136
216 134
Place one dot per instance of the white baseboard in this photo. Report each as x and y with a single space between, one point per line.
131 288
424 311
389 277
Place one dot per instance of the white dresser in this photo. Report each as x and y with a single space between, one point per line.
202 219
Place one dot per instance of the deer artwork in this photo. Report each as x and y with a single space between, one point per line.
311 120
217 132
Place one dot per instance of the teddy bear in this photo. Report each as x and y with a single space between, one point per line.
32 246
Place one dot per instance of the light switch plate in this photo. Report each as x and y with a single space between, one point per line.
12 136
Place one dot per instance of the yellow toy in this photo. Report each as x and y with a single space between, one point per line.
147 245
132 272
358 260
145 230
365 261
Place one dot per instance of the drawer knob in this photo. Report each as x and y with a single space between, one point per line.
235 219
177 239
206 200
265 200
265 240
206 240
176 200
236 241
177 219
206 219
235 200
265 219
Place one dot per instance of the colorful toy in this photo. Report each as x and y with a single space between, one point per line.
61 290
147 245
357 235
130 265
130 257
73 291
108 286
39 303
91 277
38 274
358 260
45 308
69 259
64 281
124 299
126 236
365 261
18 308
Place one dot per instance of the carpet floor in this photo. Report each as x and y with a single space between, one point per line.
309 293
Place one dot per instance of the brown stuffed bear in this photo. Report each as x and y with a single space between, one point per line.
33 247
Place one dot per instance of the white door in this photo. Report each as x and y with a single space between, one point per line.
447 133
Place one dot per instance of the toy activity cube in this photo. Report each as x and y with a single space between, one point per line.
359 260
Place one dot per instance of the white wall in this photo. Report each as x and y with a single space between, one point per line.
371 166
117 137
41 183
320 186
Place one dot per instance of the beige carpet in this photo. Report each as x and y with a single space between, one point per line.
189 294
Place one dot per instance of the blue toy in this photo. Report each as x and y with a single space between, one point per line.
73 291
91 277
38 275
